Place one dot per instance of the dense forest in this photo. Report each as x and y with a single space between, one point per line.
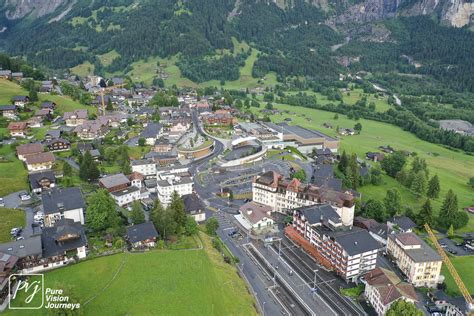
295 41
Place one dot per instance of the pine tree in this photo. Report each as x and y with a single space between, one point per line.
451 231
355 172
433 187
177 206
343 162
393 202
33 95
137 216
447 213
418 184
426 214
67 169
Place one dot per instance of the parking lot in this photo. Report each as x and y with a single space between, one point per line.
457 249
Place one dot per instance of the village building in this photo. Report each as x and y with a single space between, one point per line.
58 144
20 100
401 224
282 195
383 288
151 133
142 235
255 218
42 181
64 240
90 130
40 161
349 251
194 207
24 150
18 129
145 167
75 118
168 183
418 261
5 74
9 111
59 203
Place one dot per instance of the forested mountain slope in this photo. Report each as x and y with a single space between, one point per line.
315 38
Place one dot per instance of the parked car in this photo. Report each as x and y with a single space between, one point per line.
2 203
24 196
16 231
20 238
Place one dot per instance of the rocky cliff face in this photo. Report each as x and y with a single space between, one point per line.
457 13
18 9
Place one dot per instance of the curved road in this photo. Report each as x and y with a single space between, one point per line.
204 192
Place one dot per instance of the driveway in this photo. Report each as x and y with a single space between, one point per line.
13 201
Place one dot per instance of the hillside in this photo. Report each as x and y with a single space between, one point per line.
317 39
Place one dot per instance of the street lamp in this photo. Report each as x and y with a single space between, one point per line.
263 308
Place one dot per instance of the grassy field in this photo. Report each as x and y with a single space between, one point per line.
10 218
107 58
453 168
8 89
381 104
12 173
83 70
464 266
145 70
161 282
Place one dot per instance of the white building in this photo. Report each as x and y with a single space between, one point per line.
256 217
383 288
418 261
169 183
145 166
350 251
283 194
127 195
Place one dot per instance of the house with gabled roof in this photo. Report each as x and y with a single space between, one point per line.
383 288
9 111
40 161
142 235
25 150
18 129
20 100
194 207
75 118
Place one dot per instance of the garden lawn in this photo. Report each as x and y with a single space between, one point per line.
10 218
9 89
13 174
464 266
453 168
159 282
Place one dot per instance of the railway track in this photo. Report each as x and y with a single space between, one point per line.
305 266
281 291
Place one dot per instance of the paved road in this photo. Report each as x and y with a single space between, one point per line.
72 163
256 279
13 201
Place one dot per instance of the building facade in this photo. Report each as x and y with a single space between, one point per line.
418 261
350 251
283 195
